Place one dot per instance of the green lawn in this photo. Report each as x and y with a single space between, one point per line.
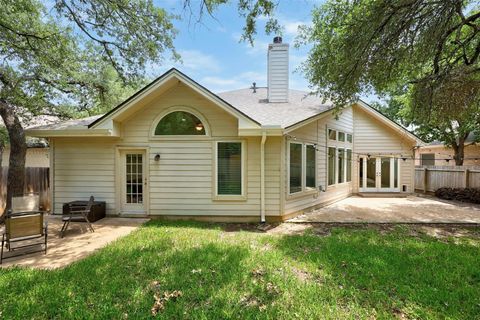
340 273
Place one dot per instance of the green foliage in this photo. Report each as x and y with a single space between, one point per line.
77 56
379 45
326 273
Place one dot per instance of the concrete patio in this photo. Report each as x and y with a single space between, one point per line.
78 242
412 209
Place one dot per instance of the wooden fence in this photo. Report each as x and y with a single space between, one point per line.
430 178
37 180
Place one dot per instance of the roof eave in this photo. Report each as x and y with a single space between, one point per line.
50 133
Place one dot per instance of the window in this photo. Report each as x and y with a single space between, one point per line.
332 134
229 168
302 167
341 165
180 123
349 165
341 136
349 138
428 159
310 166
295 167
331 165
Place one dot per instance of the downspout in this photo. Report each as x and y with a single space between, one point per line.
262 176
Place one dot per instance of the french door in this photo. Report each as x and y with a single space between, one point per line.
379 174
134 181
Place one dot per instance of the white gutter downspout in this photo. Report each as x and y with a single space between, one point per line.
262 176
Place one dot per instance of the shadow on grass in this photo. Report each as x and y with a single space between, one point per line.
412 276
122 279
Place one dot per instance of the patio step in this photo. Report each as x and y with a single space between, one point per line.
382 195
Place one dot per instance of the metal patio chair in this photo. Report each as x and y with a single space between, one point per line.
24 227
77 213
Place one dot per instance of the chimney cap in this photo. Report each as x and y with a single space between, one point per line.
277 39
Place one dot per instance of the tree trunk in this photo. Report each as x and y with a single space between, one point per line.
18 151
459 151
2 195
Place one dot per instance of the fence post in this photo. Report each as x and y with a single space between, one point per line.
425 179
467 173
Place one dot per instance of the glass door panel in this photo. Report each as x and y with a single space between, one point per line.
385 172
371 172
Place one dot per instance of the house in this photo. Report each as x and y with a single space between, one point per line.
437 154
36 157
177 150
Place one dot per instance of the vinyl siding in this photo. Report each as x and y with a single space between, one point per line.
83 167
371 136
182 181
316 132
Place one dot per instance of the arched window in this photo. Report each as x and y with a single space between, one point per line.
180 123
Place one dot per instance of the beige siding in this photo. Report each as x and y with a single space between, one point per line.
472 155
316 132
83 167
36 157
182 181
371 136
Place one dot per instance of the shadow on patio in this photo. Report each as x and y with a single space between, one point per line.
412 209
78 242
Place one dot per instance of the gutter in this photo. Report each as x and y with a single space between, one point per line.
262 175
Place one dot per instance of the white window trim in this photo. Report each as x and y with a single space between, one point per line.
220 197
304 189
328 167
337 142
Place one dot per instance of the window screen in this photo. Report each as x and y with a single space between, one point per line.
349 165
295 167
341 165
229 168
331 165
428 159
310 169
332 134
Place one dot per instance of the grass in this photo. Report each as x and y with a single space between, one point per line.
334 273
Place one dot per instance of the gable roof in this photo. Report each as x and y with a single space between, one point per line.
172 73
251 107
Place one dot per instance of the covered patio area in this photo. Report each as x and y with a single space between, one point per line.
77 243
411 209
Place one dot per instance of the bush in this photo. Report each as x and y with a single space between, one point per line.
461 194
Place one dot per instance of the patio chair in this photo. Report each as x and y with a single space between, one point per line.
24 227
77 213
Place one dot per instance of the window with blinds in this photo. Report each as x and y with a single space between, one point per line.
229 168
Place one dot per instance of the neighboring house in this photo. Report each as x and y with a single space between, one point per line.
437 154
177 150
36 157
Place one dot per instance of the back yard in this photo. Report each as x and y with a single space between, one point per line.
211 271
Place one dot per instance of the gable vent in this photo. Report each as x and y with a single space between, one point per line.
278 71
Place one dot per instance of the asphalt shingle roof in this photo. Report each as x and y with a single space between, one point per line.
300 106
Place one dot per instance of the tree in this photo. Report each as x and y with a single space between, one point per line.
428 50
49 58
67 59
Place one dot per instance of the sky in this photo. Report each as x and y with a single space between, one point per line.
213 56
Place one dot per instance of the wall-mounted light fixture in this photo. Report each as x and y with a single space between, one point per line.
157 157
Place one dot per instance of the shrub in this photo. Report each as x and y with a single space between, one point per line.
461 194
